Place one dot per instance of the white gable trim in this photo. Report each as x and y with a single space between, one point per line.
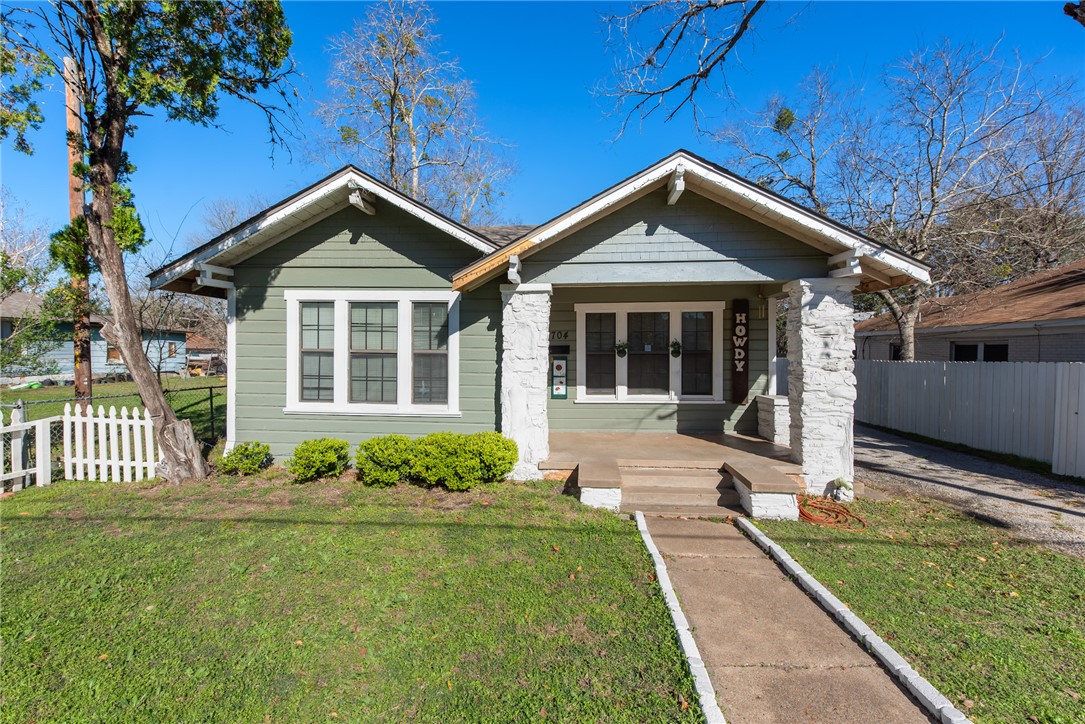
321 200
695 174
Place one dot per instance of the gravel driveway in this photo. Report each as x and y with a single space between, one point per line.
1035 507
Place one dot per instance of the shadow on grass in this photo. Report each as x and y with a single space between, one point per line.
891 470
298 521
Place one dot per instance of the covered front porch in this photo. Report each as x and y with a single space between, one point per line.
690 474
651 308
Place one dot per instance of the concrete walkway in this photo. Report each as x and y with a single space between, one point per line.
772 653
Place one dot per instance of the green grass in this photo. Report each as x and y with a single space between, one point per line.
996 624
187 396
246 600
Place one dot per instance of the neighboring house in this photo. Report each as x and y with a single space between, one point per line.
1040 318
355 311
203 354
164 348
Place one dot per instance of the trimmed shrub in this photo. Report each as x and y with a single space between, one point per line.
460 462
384 461
322 458
496 453
247 458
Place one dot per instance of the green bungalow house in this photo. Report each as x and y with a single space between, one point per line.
355 311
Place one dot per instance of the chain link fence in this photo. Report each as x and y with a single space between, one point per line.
204 407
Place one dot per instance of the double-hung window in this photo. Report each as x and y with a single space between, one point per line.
650 352
372 352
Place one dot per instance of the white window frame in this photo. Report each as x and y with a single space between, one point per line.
341 404
621 364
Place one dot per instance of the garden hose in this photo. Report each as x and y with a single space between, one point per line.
823 511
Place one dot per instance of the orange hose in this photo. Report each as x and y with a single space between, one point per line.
823 511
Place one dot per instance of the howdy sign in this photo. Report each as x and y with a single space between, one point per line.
740 358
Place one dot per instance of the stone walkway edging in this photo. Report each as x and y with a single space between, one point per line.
706 693
932 699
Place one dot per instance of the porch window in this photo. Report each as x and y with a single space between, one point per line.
599 362
648 371
649 353
697 353
372 352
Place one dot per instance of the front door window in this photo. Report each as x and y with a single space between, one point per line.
649 358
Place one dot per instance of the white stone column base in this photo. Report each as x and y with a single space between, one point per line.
770 506
608 498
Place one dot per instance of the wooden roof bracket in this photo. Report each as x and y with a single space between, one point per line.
676 185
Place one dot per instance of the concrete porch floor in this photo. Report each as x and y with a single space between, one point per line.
690 475
658 449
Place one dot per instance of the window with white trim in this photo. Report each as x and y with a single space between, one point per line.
627 352
372 352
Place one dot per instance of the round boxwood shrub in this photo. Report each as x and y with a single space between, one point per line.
322 458
495 452
460 462
247 458
384 461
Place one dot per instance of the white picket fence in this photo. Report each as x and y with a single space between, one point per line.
17 439
100 446
1031 409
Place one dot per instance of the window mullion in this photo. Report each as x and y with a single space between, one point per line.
621 370
341 353
675 317
405 353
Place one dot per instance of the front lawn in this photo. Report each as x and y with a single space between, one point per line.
996 624
246 600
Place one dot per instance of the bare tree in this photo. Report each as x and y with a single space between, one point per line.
797 146
934 173
1076 11
403 110
688 42
221 215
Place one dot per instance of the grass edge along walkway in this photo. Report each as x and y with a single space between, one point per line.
996 624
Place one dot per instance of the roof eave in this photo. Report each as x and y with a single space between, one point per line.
895 268
327 195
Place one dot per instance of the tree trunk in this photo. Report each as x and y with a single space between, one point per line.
81 339
905 315
181 457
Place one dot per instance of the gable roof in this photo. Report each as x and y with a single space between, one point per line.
1053 295
315 202
881 267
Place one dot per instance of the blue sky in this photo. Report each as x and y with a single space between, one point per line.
535 65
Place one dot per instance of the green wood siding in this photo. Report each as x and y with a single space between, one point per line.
694 241
569 416
350 250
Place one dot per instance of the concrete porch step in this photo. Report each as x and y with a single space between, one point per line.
685 511
633 478
678 496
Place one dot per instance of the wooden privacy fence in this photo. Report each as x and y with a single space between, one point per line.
1032 409
98 446
24 451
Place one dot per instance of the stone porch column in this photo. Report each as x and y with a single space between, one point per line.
525 374
821 379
